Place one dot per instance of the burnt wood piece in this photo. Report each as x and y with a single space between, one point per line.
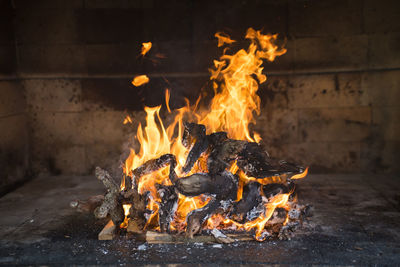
278 217
198 217
164 238
168 205
251 198
111 204
271 190
201 145
152 166
223 154
223 185
89 205
217 138
191 133
138 211
255 162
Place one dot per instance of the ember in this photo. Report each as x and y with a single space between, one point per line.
211 173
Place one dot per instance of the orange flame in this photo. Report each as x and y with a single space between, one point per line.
167 96
127 120
146 48
235 79
223 39
140 80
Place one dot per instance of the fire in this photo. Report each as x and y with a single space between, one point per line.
127 120
236 80
223 39
146 48
140 80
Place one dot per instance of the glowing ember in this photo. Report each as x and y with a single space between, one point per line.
140 80
146 48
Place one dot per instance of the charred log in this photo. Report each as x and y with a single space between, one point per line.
255 162
251 198
191 133
198 148
152 166
197 218
271 190
168 205
217 138
138 211
111 204
223 185
223 154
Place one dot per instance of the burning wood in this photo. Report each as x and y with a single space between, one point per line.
210 174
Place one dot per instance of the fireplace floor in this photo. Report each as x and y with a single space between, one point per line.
356 221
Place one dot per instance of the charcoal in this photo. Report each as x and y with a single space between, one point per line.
194 185
168 205
152 166
223 185
217 138
255 162
202 143
191 133
198 148
271 190
198 217
278 217
223 154
251 198
138 211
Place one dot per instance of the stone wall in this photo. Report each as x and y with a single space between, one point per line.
330 102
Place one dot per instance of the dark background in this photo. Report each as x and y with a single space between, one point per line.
331 102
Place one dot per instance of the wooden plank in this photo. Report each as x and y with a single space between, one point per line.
108 232
164 238
151 237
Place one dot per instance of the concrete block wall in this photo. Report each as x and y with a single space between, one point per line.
14 139
330 102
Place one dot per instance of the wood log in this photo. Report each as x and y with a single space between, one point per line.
255 162
191 133
108 232
197 218
223 154
152 166
223 185
164 238
250 199
111 204
168 206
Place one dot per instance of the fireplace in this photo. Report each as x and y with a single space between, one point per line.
78 78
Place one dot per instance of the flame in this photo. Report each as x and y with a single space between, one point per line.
127 120
146 48
140 80
223 39
235 80
126 208
167 96
233 106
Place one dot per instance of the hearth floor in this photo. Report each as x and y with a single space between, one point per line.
356 222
